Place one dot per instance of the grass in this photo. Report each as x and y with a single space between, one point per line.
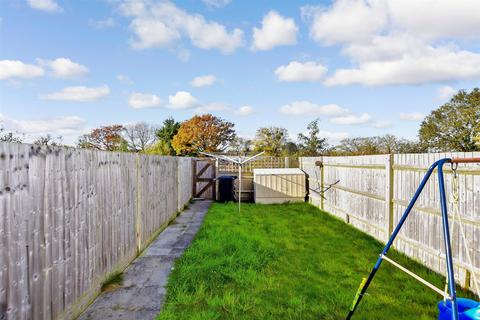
290 262
113 281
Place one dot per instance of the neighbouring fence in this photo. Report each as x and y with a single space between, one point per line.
70 217
261 162
374 191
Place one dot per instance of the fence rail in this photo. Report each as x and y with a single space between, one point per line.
69 217
374 191
259 162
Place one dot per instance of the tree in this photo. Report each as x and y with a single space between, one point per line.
358 146
9 137
376 145
203 133
454 125
392 144
48 140
312 144
240 146
272 140
164 135
139 136
290 149
107 138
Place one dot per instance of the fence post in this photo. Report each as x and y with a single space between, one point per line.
138 209
194 178
322 184
179 181
389 185
287 162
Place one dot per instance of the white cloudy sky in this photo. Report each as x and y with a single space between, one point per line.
361 67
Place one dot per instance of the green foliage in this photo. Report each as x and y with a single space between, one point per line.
290 149
454 125
165 134
376 145
312 144
161 148
272 140
240 146
290 262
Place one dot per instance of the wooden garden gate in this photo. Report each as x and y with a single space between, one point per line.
204 174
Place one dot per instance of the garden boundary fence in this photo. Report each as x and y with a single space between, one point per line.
69 218
373 192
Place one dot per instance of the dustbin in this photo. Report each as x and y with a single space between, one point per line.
225 188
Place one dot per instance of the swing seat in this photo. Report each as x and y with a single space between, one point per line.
467 309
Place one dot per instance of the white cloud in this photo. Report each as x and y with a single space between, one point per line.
17 69
244 111
45 5
161 24
124 79
65 68
276 31
414 116
182 100
206 108
436 19
446 92
352 119
152 33
102 24
415 66
203 81
297 71
300 108
144 100
216 3
62 125
399 42
78 94
346 21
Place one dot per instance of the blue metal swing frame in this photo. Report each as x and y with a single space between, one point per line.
446 235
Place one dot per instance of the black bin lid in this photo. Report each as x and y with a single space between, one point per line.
227 178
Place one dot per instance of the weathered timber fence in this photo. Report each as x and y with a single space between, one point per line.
374 191
69 218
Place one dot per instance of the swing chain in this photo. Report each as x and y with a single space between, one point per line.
456 216
455 192
455 198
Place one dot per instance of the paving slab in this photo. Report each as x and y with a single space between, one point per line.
143 289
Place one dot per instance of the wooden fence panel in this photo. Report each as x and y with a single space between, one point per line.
70 217
185 178
374 191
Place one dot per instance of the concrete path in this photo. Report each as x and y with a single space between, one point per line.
142 293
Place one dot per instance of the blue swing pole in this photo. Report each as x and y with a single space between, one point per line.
397 229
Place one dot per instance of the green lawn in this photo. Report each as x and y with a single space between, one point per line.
290 262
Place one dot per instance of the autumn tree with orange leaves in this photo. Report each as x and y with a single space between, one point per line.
205 133
108 138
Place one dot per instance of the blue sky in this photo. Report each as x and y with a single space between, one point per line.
361 67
